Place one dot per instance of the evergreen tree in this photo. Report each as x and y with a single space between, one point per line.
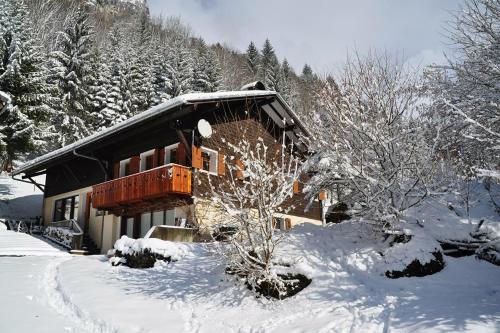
71 74
307 74
16 132
270 67
206 73
141 71
180 69
288 89
253 59
161 82
118 105
23 78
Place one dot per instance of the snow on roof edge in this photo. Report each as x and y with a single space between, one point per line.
155 110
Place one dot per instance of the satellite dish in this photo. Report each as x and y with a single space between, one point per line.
204 128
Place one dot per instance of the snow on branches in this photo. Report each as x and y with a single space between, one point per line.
260 180
466 91
368 136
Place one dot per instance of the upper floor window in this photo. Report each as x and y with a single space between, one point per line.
171 154
66 209
209 160
125 168
147 160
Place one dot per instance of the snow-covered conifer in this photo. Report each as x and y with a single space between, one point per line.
71 68
253 59
270 67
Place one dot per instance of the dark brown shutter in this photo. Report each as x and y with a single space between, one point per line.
135 162
161 156
240 169
296 189
288 224
156 155
221 165
116 170
196 157
181 154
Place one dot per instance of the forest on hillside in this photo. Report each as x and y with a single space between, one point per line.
74 67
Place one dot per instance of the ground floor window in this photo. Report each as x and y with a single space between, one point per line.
66 209
138 226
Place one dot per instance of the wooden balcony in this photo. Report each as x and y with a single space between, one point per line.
147 185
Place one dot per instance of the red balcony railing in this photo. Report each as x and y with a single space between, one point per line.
146 185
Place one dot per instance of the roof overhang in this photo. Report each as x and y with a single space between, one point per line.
276 108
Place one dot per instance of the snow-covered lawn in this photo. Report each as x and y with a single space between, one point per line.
57 292
87 294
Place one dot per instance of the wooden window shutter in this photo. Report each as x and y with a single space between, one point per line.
196 157
161 156
156 156
181 154
221 165
240 170
135 162
296 189
116 170
275 223
322 195
288 224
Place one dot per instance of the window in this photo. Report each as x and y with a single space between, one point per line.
208 160
278 223
147 160
125 167
171 155
67 208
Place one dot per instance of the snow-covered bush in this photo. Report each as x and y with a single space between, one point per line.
144 252
249 198
412 253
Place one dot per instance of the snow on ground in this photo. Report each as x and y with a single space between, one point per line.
21 244
194 294
18 199
348 292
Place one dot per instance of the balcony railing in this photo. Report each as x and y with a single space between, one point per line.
146 185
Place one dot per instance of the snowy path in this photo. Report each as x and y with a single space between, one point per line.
21 244
25 305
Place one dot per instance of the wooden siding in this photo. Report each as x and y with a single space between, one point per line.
147 185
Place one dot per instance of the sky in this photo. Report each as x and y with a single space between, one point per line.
321 32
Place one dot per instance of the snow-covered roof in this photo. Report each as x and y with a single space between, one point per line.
153 112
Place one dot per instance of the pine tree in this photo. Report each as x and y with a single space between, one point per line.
23 77
16 133
118 104
288 88
141 67
270 67
180 69
253 59
206 73
160 82
70 72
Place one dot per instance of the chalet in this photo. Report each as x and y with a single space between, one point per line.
151 170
